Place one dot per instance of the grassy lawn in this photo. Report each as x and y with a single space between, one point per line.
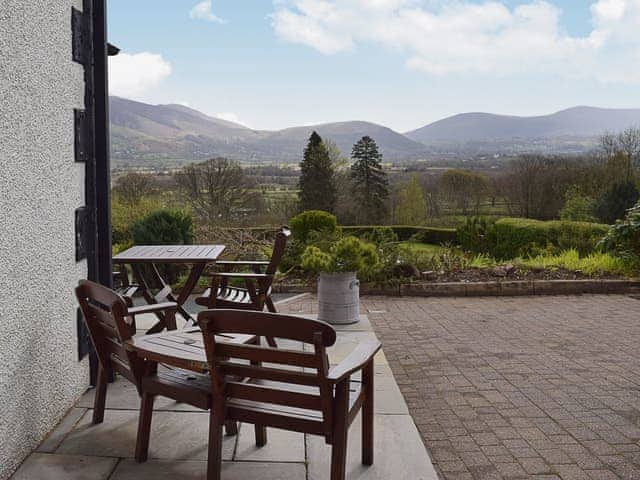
423 247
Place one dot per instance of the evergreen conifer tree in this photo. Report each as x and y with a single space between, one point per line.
369 181
317 182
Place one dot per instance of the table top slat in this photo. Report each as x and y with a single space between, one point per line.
170 347
170 254
178 343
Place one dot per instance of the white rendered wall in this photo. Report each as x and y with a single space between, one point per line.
40 187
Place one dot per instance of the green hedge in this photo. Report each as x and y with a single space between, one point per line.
432 235
513 237
405 232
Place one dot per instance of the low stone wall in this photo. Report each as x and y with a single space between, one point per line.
487 289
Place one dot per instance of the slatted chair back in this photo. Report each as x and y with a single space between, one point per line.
278 250
294 379
105 315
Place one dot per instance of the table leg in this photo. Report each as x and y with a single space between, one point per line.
149 298
166 294
190 284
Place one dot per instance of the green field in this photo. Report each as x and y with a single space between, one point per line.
423 247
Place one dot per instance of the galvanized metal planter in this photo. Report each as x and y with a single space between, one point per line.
339 298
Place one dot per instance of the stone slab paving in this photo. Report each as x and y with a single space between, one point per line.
49 466
509 388
78 450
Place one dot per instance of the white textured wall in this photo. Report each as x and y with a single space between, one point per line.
40 187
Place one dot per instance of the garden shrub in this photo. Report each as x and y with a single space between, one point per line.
380 236
435 236
513 237
312 221
123 216
578 207
594 264
613 203
476 235
623 238
311 226
581 236
163 227
291 257
407 232
349 254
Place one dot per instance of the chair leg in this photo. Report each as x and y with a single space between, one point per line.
100 394
144 427
230 428
270 306
214 462
339 446
367 414
261 435
132 325
170 320
158 327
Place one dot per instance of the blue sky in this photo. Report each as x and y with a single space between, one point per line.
402 63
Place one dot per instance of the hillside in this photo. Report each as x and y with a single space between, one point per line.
142 131
485 127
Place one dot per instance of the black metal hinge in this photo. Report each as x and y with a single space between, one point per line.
81 32
83 230
83 137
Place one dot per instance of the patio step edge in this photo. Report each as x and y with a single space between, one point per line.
487 289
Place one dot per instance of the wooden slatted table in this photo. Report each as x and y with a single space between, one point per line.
180 348
198 256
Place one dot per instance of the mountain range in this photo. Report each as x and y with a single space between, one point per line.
140 131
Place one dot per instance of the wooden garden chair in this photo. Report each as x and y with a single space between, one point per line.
106 315
317 400
123 287
256 293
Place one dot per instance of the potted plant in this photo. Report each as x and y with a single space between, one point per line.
338 285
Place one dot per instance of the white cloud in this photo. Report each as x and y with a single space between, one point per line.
204 11
460 36
133 75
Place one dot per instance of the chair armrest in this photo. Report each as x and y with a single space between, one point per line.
129 290
242 262
356 360
240 275
154 307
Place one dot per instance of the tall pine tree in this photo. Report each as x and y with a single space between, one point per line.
317 182
369 182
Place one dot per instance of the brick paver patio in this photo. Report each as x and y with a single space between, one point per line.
527 387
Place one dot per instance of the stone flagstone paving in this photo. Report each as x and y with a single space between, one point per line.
510 388
78 450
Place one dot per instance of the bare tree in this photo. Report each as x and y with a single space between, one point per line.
431 188
629 143
609 144
133 186
340 162
463 187
344 209
520 184
216 189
